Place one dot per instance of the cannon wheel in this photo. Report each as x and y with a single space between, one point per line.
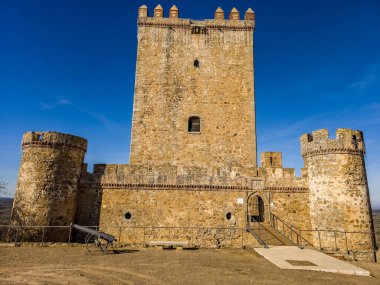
94 244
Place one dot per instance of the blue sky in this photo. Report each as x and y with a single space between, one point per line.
68 66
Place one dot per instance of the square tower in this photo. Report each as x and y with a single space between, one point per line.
194 101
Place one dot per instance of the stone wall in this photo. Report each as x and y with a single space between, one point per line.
48 180
169 89
191 200
292 207
197 216
89 199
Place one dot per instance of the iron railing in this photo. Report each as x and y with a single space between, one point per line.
336 240
259 232
217 236
289 231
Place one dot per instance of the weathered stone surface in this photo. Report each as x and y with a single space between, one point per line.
197 216
47 187
339 196
169 89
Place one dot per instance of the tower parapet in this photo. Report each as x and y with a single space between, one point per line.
249 15
346 141
234 14
53 140
219 21
271 159
48 181
219 14
173 13
158 11
143 11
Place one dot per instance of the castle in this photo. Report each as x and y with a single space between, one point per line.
193 172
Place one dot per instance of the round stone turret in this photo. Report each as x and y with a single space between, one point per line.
48 180
339 198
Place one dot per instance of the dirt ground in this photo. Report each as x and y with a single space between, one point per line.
74 265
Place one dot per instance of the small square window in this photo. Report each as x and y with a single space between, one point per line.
194 125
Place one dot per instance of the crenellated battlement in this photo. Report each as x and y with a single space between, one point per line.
271 159
219 22
346 141
53 140
121 176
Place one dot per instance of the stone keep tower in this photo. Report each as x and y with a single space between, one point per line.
48 180
339 197
194 98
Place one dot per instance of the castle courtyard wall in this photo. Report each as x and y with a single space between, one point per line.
196 216
293 207
157 196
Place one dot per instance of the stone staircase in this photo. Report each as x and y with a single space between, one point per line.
267 235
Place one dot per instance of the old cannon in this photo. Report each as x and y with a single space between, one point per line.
95 240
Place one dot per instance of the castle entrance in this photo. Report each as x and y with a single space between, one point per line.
256 208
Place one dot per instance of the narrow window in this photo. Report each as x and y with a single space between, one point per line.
271 160
196 63
194 124
40 137
355 141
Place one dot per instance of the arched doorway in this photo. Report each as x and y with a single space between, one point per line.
255 209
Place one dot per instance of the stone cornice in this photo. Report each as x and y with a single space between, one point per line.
316 152
47 144
286 189
190 187
172 187
236 25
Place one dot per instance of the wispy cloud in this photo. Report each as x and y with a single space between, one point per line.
365 82
55 103
65 102
44 105
371 107
100 117
369 78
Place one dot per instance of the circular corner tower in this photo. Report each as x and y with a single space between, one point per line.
47 186
339 196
